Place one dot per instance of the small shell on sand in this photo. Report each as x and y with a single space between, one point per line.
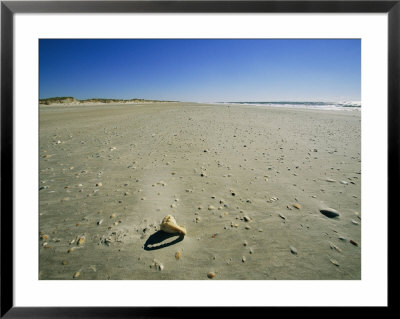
246 218
295 205
44 237
81 241
71 250
211 275
112 215
243 258
334 261
293 250
281 216
178 255
169 225
157 265
333 246
99 184
353 242
329 212
76 274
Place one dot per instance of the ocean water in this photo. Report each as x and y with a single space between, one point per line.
347 105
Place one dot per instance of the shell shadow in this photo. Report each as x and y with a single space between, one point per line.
155 241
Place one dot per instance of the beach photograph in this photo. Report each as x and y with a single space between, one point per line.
199 159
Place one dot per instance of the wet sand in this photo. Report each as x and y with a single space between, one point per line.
247 182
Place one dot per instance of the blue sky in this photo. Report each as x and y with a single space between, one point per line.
202 70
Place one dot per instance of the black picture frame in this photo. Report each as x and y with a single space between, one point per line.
9 8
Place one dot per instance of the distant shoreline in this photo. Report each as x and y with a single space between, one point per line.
69 100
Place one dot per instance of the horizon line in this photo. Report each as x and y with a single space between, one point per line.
227 101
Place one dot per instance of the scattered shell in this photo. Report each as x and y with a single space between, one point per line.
333 246
247 218
99 222
178 255
344 182
64 262
334 261
76 274
71 250
44 237
330 180
329 212
81 241
295 205
281 216
354 242
112 215
99 184
355 222
211 207
243 258
169 225
293 250
211 275
245 243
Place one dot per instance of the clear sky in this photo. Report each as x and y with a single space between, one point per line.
202 70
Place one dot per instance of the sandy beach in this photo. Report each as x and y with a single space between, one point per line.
248 183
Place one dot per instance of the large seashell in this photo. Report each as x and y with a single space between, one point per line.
169 225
